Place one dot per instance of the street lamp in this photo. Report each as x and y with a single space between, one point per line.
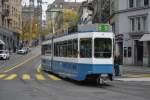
53 19
53 30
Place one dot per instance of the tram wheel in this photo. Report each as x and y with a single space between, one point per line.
100 80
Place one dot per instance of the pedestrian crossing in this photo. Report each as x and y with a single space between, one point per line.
27 77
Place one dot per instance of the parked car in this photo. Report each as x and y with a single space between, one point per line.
22 51
4 54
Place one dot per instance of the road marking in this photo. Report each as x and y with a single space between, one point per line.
11 77
39 68
19 65
54 77
2 75
26 77
40 77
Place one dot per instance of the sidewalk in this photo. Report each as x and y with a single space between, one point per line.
134 73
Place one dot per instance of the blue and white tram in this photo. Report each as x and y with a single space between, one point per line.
80 56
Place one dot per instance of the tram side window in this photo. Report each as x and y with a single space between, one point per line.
85 47
75 48
69 48
66 48
46 49
102 48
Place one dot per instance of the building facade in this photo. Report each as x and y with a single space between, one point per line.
131 20
55 10
94 11
10 22
30 14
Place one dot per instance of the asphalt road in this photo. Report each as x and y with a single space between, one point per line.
20 80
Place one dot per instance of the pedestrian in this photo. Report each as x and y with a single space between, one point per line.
116 66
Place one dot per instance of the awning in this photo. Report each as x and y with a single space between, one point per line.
1 42
145 37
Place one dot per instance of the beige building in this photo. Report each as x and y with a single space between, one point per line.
10 22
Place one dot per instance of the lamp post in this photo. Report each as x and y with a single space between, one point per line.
53 32
53 19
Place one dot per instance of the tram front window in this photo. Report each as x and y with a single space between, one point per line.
102 47
85 48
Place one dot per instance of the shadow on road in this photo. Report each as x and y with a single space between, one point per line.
85 83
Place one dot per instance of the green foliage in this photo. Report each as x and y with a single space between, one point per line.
70 18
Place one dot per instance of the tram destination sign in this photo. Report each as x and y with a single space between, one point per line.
103 28
95 28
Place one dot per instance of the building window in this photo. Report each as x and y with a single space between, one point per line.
139 3
125 51
138 24
131 3
132 24
146 2
144 23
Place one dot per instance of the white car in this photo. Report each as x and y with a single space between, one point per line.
22 51
4 54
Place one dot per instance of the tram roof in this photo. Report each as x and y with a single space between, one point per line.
80 32
56 36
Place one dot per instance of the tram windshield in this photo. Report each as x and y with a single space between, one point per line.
86 47
102 47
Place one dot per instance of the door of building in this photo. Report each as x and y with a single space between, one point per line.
149 53
138 53
120 45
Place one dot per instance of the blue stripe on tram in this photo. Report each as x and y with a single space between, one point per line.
77 71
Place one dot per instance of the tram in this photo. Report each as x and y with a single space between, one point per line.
80 56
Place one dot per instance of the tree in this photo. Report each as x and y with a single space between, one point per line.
25 36
48 29
70 18
63 21
30 29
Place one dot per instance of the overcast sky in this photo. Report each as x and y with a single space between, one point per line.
44 5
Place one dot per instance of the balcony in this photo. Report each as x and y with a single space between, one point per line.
137 35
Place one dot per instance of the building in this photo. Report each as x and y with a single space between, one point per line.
131 21
94 11
30 13
54 12
10 22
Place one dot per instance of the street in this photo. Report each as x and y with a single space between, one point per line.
21 79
